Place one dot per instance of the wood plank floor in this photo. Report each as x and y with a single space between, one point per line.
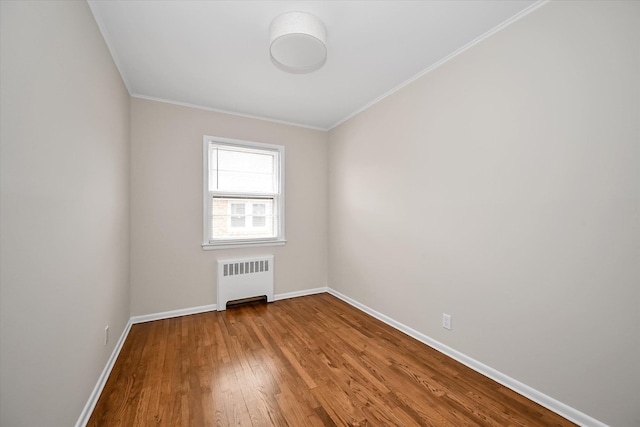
308 361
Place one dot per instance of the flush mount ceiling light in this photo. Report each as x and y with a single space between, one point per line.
298 43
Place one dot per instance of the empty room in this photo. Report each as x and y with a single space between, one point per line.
319 213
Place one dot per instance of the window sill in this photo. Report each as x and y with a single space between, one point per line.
230 245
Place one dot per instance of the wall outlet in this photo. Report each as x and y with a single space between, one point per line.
446 321
106 335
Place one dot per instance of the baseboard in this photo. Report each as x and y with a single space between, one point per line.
173 313
102 379
295 294
212 307
548 402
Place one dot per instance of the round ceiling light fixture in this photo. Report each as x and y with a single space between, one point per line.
298 42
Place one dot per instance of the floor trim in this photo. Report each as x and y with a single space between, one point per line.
548 402
102 379
172 313
212 307
295 294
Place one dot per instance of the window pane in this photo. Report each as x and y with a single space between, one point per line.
237 215
238 208
236 218
258 218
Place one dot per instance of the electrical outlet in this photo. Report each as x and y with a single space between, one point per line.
106 335
446 321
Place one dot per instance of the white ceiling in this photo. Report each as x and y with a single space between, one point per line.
215 54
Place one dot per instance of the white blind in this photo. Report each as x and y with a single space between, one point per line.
235 169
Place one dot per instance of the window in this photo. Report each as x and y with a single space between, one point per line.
243 193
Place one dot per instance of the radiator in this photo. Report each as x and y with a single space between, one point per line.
244 278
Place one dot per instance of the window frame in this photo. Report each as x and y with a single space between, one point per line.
279 199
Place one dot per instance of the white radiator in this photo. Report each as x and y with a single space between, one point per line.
244 278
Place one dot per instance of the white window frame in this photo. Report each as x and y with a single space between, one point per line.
279 239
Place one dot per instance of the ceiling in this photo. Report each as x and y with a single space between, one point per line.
215 54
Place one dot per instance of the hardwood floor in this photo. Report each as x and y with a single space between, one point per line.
308 361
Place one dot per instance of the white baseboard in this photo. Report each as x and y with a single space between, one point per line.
173 313
295 294
548 402
212 307
102 379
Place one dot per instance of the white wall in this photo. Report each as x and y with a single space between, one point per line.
64 209
169 268
503 188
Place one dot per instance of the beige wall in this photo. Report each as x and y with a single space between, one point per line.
64 209
169 269
503 188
